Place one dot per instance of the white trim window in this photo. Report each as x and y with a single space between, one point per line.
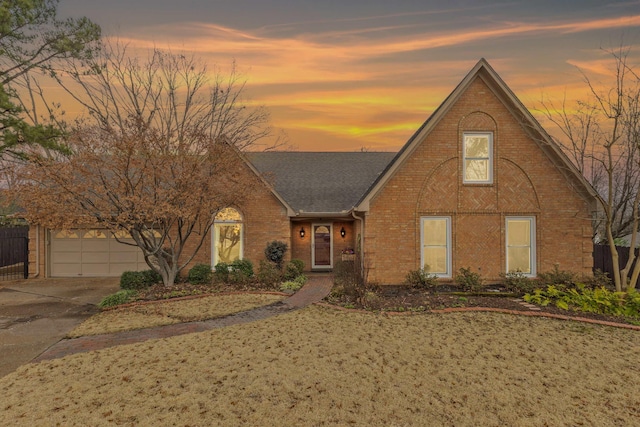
477 151
521 245
227 237
435 241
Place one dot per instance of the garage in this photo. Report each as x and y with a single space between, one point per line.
92 253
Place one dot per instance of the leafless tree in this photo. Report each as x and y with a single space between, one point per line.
156 158
601 136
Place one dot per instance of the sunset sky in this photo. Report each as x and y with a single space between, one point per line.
342 75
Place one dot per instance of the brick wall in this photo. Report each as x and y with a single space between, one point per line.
264 219
429 183
301 247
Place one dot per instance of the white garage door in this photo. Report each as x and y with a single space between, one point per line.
92 253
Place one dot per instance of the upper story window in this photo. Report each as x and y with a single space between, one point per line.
477 149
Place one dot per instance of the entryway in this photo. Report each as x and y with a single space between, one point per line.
322 246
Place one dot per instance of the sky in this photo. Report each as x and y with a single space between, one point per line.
345 75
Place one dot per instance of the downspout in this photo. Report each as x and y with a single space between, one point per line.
353 214
37 273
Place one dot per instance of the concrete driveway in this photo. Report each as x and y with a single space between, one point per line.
37 313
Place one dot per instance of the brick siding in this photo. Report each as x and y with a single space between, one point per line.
429 183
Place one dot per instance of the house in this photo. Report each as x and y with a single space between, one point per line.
480 184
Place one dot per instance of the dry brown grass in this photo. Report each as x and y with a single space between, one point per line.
323 367
166 312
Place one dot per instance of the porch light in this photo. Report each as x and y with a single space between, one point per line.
302 232
343 232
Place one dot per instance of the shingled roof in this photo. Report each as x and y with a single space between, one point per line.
321 182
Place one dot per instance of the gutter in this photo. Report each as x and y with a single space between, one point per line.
37 273
302 215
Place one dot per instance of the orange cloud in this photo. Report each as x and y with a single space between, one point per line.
297 75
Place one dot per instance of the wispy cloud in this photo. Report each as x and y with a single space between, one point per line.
372 63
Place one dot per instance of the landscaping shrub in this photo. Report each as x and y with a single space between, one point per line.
221 272
518 283
557 277
352 278
269 274
200 274
120 297
599 279
468 280
293 269
421 278
599 300
139 279
275 252
243 268
151 277
295 284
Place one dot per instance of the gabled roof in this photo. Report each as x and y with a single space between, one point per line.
484 71
320 182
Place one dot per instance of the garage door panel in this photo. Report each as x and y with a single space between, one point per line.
91 253
95 245
66 258
95 269
114 245
65 245
66 270
123 257
95 257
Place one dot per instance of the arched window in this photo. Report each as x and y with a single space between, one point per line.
226 242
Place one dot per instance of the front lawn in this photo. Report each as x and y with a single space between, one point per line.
321 366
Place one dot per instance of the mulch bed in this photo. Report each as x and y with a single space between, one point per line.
408 299
178 290
389 299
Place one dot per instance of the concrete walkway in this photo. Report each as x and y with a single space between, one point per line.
316 288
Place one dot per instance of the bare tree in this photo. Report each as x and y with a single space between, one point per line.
156 159
172 93
601 137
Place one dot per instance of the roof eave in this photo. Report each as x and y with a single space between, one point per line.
290 211
300 215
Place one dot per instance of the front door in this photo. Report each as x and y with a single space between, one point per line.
322 246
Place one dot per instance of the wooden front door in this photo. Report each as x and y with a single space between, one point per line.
322 246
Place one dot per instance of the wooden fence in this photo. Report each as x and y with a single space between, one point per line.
602 258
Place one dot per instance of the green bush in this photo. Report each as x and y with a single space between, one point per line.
269 274
518 283
421 278
468 280
275 252
151 277
200 274
295 284
221 272
599 279
293 269
599 300
557 277
139 279
243 266
120 297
